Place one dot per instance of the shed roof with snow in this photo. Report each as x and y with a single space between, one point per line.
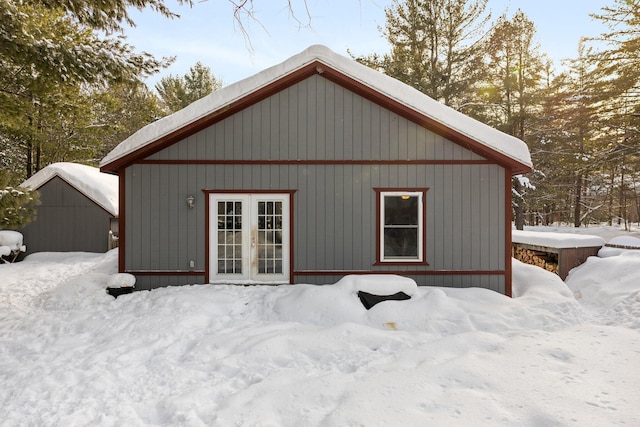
78 207
100 187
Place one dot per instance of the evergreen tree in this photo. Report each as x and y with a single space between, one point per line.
515 71
434 46
178 92
45 86
17 205
118 111
617 71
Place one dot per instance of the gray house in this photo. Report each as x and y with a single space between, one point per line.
79 208
316 168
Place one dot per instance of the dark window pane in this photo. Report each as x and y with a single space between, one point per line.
401 210
401 242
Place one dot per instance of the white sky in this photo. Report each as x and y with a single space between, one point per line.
208 33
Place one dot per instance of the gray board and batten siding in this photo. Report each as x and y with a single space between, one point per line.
332 148
67 221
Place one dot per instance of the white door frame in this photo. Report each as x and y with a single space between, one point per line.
257 244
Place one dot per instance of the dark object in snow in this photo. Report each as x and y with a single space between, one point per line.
369 300
116 292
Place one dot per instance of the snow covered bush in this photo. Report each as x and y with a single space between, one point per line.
17 205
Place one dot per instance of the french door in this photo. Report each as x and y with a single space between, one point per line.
249 238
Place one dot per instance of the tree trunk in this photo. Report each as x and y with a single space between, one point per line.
578 200
518 200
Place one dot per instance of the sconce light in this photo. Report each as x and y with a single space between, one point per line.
191 202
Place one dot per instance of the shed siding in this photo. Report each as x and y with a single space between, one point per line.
66 221
334 215
315 120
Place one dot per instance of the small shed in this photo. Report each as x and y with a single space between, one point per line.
78 210
555 252
311 170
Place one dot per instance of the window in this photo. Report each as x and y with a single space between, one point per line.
401 226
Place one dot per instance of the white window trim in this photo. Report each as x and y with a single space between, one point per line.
420 258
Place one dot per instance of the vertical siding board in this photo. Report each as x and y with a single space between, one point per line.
475 187
328 219
346 151
310 117
341 218
469 214
285 149
356 127
500 214
496 223
300 128
320 121
162 217
145 219
264 132
367 147
271 146
332 121
389 142
455 237
485 231
293 128
402 145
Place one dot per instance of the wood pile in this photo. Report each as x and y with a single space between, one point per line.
546 260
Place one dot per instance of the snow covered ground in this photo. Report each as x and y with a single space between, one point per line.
555 355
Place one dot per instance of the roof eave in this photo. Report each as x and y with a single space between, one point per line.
316 66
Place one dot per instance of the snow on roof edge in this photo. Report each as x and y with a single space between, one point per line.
556 240
100 187
492 138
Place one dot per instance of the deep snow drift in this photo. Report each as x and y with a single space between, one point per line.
305 355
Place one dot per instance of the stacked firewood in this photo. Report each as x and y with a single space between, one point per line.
546 260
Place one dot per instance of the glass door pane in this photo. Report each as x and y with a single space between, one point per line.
269 237
230 223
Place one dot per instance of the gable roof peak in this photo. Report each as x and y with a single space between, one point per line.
101 188
492 140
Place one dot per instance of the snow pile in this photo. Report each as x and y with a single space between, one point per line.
11 241
313 355
100 187
628 242
610 286
121 280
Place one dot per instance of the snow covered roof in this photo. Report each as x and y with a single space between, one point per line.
556 240
506 147
100 187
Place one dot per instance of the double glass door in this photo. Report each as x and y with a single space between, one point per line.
249 238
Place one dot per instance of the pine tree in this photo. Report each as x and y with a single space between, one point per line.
17 205
515 70
434 46
617 70
46 82
178 92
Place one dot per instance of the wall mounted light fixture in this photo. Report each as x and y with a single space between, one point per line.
191 202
